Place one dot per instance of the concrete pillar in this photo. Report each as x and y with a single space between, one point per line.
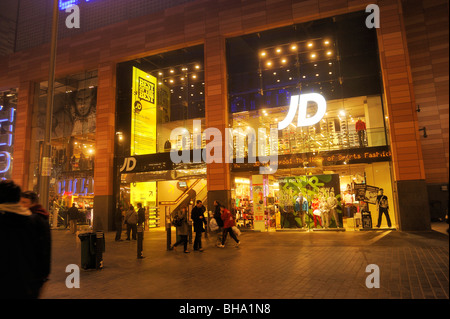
104 153
409 174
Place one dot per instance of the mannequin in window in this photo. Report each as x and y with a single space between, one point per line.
360 127
383 208
317 213
300 208
332 205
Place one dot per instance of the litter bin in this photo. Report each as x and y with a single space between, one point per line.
92 248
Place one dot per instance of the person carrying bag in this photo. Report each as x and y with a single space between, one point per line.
228 223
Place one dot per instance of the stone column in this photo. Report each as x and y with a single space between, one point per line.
409 174
22 134
218 174
104 153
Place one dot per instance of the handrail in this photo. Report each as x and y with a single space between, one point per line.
179 197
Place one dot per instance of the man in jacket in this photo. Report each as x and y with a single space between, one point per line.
21 247
198 220
73 218
131 220
141 214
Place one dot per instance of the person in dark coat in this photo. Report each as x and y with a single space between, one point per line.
198 220
24 260
182 230
219 221
30 200
73 215
141 214
119 221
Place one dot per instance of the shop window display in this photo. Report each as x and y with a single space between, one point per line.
346 145
72 145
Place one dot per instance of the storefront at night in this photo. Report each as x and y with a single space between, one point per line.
332 98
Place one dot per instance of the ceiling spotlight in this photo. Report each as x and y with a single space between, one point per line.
313 55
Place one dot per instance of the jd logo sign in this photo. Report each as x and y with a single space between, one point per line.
129 164
300 102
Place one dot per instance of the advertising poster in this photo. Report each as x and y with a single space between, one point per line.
371 194
258 202
360 192
310 201
143 114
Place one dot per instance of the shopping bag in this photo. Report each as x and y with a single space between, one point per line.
213 224
236 230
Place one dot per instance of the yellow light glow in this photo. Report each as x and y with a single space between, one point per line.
283 61
293 47
269 63
263 53
329 53
278 50
310 44
313 55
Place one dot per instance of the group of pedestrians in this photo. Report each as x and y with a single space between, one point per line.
25 243
224 220
131 219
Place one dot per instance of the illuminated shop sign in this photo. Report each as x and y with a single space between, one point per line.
329 158
76 187
300 102
64 4
6 140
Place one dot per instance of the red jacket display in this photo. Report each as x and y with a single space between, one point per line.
360 126
228 220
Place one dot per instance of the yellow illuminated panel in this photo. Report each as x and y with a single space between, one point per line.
144 193
143 113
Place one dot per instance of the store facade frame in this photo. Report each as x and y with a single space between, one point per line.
210 23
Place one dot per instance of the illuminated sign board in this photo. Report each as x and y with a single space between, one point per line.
64 4
6 140
300 102
143 113
76 187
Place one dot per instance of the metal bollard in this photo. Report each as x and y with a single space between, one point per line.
99 248
140 241
169 235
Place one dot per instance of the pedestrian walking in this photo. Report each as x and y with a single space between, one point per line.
23 249
218 217
30 200
199 220
228 223
182 229
73 214
141 214
119 221
131 220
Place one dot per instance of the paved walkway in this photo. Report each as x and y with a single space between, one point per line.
272 265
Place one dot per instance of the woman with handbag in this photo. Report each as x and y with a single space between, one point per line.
228 223
182 230
219 221
131 221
